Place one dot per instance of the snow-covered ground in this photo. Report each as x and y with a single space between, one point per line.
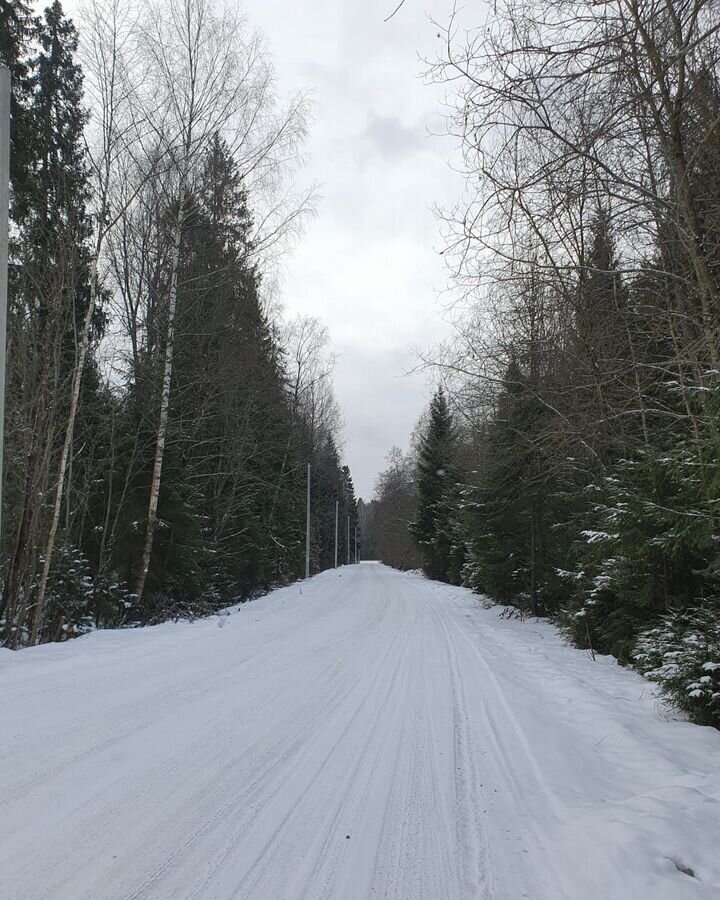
367 734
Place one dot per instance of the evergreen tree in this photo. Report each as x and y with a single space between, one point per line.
327 489
507 508
49 293
595 358
436 473
220 506
348 517
18 28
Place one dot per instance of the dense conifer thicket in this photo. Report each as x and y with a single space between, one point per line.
572 464
158 420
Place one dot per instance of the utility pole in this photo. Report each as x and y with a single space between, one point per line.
4 216
337 505
307 527
348 540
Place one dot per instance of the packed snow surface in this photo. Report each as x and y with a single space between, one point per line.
367 734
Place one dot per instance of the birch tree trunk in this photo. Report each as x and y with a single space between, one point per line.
108 35
39 605
164 407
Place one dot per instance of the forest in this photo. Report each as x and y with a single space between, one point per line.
160 410
468 250
569 463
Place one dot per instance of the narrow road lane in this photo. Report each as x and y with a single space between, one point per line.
368 734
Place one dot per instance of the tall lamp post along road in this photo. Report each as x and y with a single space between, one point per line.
307 526
337 505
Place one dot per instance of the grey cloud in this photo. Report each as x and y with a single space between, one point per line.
367 264
392 138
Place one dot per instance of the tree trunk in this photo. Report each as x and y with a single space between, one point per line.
164 407
39 608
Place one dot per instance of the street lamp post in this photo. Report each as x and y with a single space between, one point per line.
337 508
307 527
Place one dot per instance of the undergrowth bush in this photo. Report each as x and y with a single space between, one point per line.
682 654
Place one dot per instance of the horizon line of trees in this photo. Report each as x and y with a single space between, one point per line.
159 413
570 463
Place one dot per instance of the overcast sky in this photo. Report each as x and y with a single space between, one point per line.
368 265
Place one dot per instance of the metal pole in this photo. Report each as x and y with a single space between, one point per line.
348 541
307 527
337 505
4 214
356 556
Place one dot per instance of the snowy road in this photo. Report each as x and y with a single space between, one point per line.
367 735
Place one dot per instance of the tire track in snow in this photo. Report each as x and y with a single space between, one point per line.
135 791
419 854
376 703
505 737
307 733
471 831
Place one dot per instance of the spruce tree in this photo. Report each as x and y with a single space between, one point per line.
432 528
327 488
49 291
18 27
348 517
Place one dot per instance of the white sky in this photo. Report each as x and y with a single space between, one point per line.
368 265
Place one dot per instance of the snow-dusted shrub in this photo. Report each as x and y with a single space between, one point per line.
472 574
653 546
682 654
113 604
77 603
68 602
